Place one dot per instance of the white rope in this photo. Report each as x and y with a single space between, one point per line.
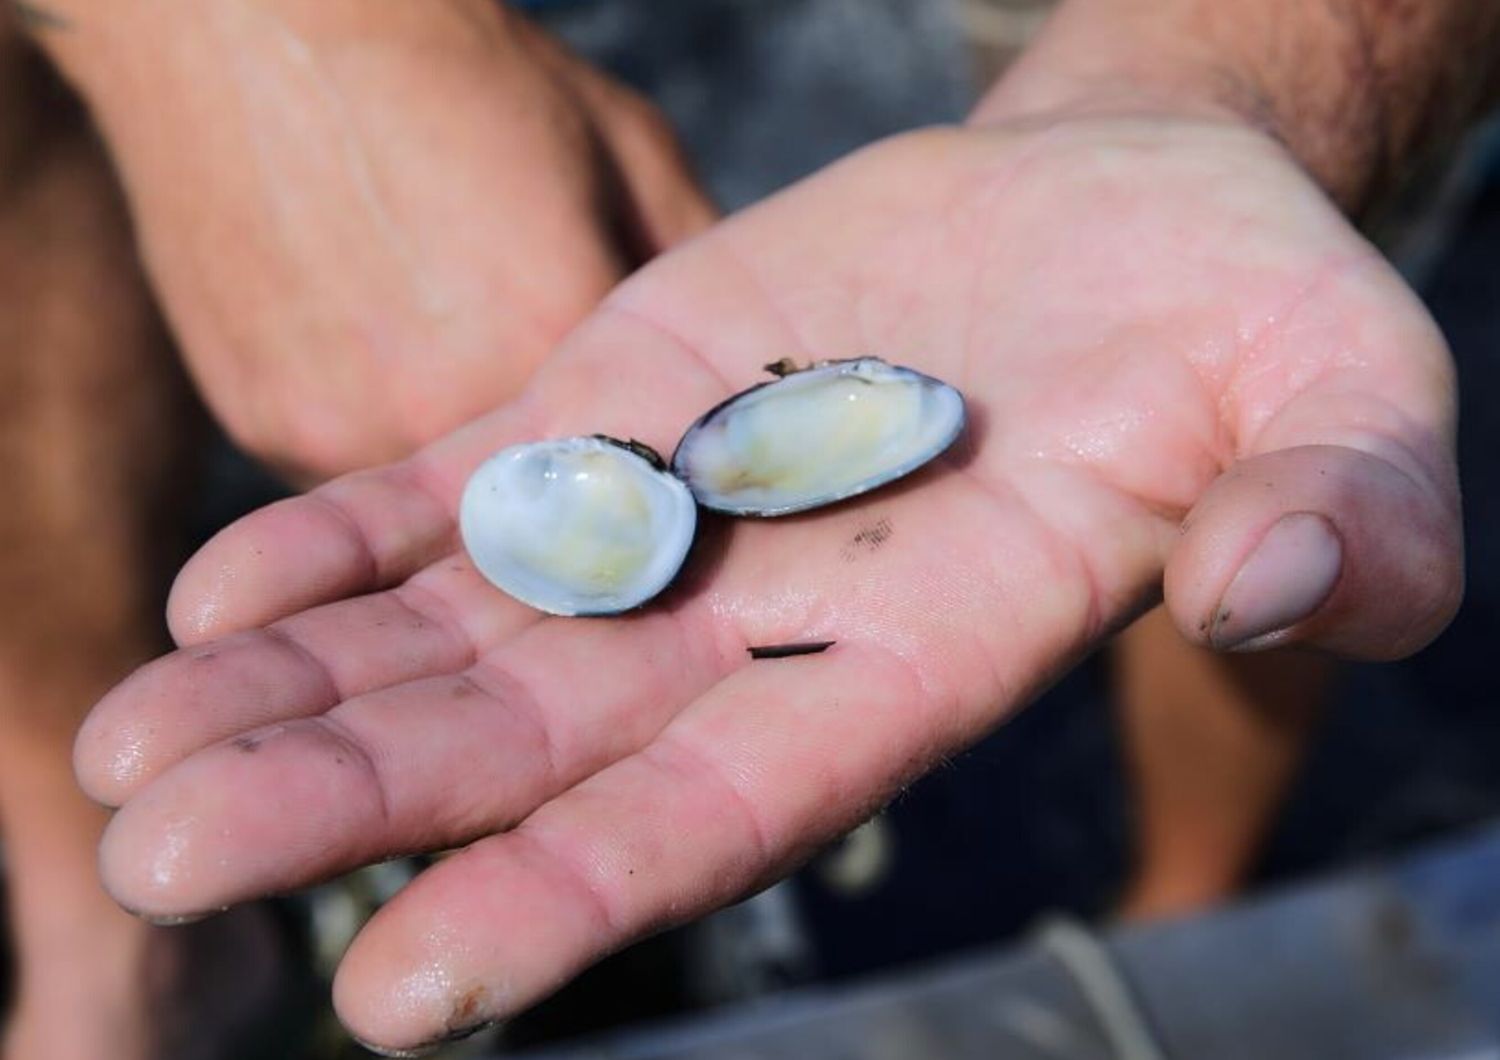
1098 977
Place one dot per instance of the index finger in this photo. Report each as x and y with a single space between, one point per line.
374 529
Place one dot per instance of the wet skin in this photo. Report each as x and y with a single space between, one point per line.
1169 340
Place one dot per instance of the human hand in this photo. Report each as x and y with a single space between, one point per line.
368 223
1178 357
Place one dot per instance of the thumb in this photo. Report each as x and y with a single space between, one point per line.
1336 546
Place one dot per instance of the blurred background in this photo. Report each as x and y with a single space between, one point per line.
953 924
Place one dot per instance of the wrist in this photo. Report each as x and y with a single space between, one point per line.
1354 95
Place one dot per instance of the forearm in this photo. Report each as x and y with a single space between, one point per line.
1358 90
149 54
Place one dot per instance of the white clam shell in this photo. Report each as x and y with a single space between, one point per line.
817 436
576 526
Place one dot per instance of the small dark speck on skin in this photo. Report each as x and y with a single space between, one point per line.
1223 617
246 744
868 539
787 651
876 535
465 1018
467 1006
464 690
338 760
36 17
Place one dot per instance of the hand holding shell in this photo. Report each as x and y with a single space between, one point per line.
350 688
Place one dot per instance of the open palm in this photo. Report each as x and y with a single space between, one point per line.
1150 321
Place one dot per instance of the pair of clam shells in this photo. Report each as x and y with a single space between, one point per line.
595 526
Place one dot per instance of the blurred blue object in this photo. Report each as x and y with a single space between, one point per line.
764 92
1397 962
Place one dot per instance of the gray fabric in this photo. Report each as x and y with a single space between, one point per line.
765 91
